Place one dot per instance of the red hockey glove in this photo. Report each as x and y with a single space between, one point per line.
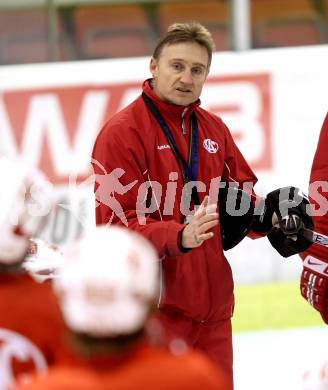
314 284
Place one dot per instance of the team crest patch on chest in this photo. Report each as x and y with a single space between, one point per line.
210 145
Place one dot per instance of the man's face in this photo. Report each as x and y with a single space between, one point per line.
180 72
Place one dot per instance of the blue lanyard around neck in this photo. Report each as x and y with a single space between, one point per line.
189 169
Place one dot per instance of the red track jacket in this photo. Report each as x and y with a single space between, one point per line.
132 151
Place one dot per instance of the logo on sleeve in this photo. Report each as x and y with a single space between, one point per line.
210 145
314 264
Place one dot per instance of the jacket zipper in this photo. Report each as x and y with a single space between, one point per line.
183 124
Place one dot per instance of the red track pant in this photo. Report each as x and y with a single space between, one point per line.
213 338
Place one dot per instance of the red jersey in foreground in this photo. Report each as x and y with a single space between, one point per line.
30 328
144 367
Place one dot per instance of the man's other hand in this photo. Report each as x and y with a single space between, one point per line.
198 229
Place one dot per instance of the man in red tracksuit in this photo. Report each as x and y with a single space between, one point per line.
314 278
146 160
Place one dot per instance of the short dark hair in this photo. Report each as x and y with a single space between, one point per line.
186 32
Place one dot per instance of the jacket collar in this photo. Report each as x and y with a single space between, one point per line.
167 108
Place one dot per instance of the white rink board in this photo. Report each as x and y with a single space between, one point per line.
273 100
277 360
